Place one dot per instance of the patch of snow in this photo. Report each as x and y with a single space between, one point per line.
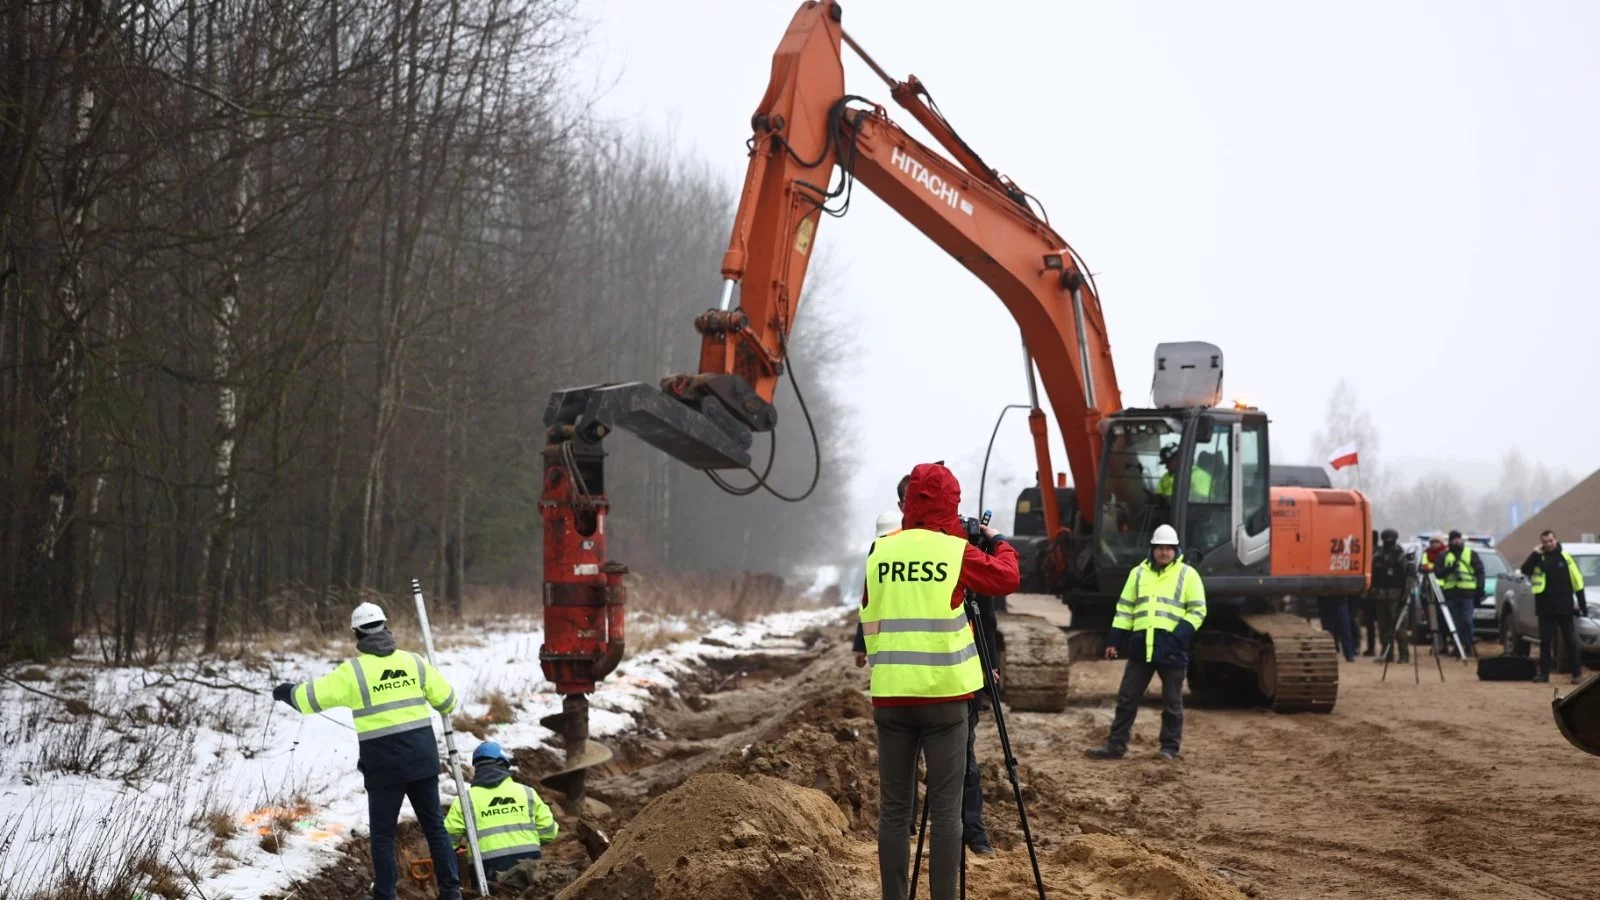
171 756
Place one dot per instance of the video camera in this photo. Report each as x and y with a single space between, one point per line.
974 528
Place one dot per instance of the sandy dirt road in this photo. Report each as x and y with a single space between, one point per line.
1462 789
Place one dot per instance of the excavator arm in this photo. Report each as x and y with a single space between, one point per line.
810 142
805 127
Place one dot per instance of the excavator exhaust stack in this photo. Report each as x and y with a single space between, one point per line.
1578 716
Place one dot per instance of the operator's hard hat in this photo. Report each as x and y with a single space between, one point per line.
888 521
367 617
490 750
1165 536
1168 452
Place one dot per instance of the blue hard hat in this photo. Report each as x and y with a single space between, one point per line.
489 750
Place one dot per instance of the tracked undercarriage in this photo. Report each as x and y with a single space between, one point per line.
1034 663
1274 658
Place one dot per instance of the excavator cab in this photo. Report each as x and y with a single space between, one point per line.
1189 464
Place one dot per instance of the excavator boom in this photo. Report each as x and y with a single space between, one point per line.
805 127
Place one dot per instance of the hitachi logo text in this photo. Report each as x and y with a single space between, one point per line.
937 186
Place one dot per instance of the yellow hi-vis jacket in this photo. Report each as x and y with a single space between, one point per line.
389 698
1155 603
1572 573
1199 484
1459 575
512 820
918 644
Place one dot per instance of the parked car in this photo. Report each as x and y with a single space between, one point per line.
1519 623
1502 586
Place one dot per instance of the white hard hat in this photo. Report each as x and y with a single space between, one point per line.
888 521
1165 535
1437 537
365 616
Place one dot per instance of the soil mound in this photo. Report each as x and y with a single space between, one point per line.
1135 869
725 836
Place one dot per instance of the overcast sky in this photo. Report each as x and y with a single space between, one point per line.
1404 193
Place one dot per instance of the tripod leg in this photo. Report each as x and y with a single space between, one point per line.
922 833
982 641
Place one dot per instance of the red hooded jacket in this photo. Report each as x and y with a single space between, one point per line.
932 500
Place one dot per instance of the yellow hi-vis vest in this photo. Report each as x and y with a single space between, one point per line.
1572 572
1157 601
512 820
385 694
1199 484
1461 576
918 645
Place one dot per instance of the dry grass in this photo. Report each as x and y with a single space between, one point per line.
501 712
221 825
159 878
737 598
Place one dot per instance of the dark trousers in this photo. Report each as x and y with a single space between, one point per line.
1135 679
972 786
1461 611
1568 626
1365 610
383 813
1335 615
941 731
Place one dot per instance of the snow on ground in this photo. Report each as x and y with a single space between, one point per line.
189 752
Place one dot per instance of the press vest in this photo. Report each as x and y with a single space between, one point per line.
1157 601
919 646
512 820
1460 577
1199 484
1572 572
385 694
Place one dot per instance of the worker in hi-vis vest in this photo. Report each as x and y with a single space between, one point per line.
391 695
513 822
1163 603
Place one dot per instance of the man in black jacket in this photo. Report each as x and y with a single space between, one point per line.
1557 597
1388 595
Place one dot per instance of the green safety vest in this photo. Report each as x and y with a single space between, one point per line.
1461 576
1199 484
1157 601
511 820
1572 572
385 694
919 646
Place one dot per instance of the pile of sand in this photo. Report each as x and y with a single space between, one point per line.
828 746
1127 868
725 836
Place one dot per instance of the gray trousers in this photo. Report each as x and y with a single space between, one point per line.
941 730
1135 679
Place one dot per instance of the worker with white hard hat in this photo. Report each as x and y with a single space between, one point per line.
390 694
1163 603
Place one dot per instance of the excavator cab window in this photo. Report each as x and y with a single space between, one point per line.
1208 522
1139 456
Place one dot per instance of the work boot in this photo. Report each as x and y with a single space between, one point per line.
978 842
1168 755
1105 752
1369 651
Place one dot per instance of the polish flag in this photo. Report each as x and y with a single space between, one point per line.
1344 456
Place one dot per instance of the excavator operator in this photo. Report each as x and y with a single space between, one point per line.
1199 479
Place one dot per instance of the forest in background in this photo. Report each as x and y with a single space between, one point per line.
284 289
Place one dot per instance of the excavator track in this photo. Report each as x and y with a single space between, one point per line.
1034 663
1299 664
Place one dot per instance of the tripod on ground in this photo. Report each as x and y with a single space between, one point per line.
1428 593
981 638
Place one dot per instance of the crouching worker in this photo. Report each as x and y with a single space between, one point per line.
512 820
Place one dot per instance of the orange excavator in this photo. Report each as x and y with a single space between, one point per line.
1185 461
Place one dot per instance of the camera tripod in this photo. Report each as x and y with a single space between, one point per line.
981 638
1428 593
